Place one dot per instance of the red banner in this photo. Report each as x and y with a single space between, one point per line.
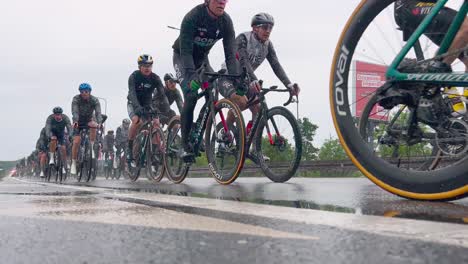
367 78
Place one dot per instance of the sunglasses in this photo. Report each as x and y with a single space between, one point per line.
265 26
84 92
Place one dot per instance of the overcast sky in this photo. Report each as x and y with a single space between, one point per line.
49 47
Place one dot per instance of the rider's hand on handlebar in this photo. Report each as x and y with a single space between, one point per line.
241 87
194 82
255 87
295 90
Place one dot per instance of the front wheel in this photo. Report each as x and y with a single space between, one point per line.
225 149
176 168
279 146
155 157
368 44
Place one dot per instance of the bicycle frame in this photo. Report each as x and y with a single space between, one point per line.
263 112
442 79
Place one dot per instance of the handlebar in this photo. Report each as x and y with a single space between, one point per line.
274 89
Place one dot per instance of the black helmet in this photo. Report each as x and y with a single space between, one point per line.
126 121
57 110
262 18
110 131
169 77
145 59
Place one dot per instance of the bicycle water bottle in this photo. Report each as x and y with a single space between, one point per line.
458 106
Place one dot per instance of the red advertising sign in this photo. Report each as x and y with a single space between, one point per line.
368 77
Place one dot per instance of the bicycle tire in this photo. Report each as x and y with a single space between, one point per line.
448 183
160 170
210 140
176 169
278 176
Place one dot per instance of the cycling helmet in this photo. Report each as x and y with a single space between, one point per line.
145 59
57 110
84 87
126 121
262 18
169 77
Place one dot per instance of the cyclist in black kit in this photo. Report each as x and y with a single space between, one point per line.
410 13
173 96
201 28
144 87
56 126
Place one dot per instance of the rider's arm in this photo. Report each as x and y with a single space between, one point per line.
132 96
229 43
187 30
243 53
75 109
159 96
48 127
276 66
97 109
67 124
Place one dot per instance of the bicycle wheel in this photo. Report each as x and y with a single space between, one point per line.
371 26
51 171
139 152
155 157
176 168
225 149
279 146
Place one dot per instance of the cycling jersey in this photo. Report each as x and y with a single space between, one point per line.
83 110
199 33
143 90
253 52
55 128
121 135
410 13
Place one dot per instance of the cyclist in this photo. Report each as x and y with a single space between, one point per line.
410 13
56 124
84 108
121 136
108 147
41 147
201 28
144 87
173 95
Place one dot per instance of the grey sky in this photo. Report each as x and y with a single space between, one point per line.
49 47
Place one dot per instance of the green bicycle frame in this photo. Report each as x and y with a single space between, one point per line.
442 79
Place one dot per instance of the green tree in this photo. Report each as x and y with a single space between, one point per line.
332 150
308 131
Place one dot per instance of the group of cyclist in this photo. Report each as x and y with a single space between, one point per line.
201 28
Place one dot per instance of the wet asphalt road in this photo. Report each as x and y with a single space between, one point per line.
143 222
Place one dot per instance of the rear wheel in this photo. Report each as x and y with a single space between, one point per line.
139 152
369 44
176 168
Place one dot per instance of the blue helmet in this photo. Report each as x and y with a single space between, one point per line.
85 86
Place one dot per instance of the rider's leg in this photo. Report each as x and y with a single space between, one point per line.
132 134
190 101
52 148
76 145
460 41
42 158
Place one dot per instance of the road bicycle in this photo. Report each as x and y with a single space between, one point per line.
401 130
